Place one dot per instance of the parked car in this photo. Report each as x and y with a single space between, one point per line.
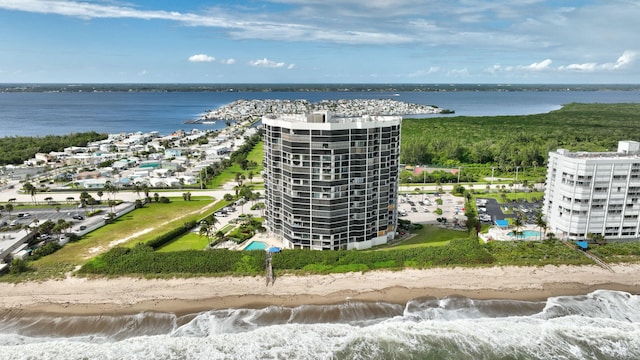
77 217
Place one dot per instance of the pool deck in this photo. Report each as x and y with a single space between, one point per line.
497 233
262 237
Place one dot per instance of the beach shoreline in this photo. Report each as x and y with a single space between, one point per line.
121 296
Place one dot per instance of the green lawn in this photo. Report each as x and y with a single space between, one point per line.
190 241
257 154
429 235
227 228
138 226
229 174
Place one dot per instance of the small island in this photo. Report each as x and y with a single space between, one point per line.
244 109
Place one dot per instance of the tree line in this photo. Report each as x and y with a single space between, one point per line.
17 149
517 141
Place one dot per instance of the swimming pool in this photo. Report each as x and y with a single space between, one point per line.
525 234
256 245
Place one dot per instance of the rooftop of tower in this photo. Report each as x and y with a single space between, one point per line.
326 116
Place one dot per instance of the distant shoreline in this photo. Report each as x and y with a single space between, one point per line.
302 87
82 296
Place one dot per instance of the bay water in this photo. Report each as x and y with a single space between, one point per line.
58 113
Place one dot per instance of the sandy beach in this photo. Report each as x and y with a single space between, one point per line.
84 296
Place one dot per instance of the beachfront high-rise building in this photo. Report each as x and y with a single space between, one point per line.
331 182
594 192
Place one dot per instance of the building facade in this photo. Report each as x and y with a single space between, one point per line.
331 182
594 192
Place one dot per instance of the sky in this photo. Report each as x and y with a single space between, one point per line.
320 41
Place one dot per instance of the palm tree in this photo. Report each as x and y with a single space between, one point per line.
111 190
145 188
204 230
212 221
239 178
100 194
29 188
541 224
517 224
260 206
219 236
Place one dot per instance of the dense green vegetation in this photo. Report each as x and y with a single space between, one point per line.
245 162
143 260
525 141
17 149
523 253
617 252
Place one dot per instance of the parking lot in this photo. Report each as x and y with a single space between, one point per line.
421 208
495 211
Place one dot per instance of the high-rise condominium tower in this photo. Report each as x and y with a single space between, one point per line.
331 182
594 192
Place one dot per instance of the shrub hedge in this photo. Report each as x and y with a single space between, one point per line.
170 235
142 260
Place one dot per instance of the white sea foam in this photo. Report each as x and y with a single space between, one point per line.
601 325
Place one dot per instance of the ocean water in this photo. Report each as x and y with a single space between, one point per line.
600 325
58 113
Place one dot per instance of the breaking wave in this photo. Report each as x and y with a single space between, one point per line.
600 325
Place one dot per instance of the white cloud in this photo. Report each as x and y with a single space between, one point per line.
458 72
624 60
431 70
240 26
266 63
536 66
543 65
472 36
586 67
201 58
143 73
